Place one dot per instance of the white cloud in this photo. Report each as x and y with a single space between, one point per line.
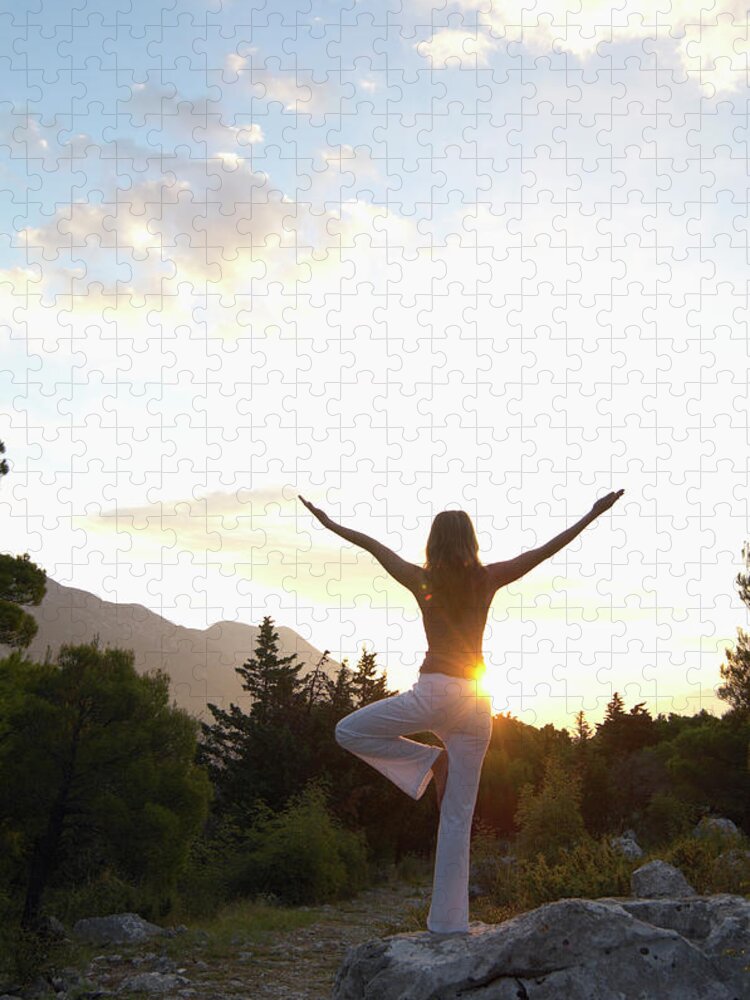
708 43
468 47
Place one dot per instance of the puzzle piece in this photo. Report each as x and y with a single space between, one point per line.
398 261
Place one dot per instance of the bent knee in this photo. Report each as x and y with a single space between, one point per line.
343 732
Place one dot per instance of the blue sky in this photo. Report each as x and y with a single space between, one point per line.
396 261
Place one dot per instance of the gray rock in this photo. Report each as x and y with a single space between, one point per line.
68 978
711 825
627 845
164 964
607 949
49 926
115 928
658 879
152 982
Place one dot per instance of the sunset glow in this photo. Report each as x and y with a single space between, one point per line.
457 272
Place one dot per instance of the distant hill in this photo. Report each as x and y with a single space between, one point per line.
200 662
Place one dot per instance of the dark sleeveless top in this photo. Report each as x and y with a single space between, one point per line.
454 630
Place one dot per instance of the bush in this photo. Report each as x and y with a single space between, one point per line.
665 818
302 855
97 896
204 885
700 861
414 868
588 869
550 820
26 954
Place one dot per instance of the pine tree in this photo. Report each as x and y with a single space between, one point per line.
22 583
623 732
251 756
270 679
315 682
582 731
615 709
97 772
736 675
366 686
736 671
339 691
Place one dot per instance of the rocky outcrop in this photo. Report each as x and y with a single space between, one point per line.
118 928
658 880
715 825
692 948
627 845
153 982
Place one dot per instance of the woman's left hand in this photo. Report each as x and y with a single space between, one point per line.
321 515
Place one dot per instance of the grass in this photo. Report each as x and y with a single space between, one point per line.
589 870
244 923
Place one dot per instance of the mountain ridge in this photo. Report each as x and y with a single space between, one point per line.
200 662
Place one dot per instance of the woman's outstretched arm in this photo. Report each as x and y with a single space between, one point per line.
502 573
406 573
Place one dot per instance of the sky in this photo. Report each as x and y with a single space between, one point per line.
398 261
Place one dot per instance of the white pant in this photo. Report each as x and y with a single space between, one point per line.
452 708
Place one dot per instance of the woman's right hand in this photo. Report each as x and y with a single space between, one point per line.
604 503
321 515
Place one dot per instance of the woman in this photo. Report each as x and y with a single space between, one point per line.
454 592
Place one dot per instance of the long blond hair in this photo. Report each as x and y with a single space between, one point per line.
452 552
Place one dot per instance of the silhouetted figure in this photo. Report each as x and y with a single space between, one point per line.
454 592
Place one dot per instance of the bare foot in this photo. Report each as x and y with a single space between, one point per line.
440 773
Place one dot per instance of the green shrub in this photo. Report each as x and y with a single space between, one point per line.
97 896
550 820
589 869
24 954
414 868
664 819
204 885
700 861
302 855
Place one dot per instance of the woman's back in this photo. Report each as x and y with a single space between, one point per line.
454 613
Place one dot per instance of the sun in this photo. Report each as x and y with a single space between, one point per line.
488 684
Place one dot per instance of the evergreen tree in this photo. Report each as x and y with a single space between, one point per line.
621 732
615 709
97 770
340 692
315 683
366 687
736 672
736 675
22 582
582 731
3 463
270 679
259 756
